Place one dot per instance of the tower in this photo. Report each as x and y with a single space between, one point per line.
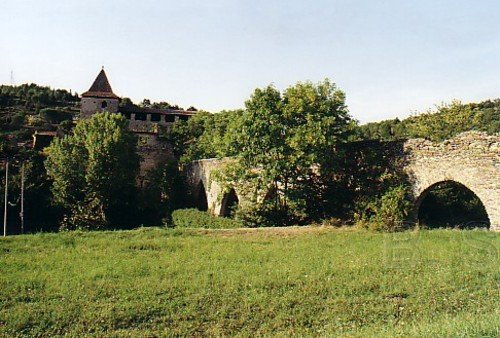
99 97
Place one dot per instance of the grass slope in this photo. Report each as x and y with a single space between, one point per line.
280 282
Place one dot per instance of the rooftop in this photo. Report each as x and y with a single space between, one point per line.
101 88
136 109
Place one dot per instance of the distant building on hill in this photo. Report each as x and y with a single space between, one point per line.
100 97
147 124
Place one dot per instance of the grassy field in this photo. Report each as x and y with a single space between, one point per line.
264 282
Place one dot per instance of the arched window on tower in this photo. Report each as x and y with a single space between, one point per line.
104 104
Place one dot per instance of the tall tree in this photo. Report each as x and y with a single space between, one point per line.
94 171
291 138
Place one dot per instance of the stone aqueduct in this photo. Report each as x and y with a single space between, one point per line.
471 159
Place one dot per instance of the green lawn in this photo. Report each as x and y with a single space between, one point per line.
265 282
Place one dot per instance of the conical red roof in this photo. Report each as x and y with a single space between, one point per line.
101 88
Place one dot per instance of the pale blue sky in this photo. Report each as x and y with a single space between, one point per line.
390 57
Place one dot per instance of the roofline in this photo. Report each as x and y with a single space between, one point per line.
104 95
136 109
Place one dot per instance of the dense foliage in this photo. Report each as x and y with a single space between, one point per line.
94 171
34 96
292 138
206 135
40 213
194 218
29 107
293 154
442 123
163 191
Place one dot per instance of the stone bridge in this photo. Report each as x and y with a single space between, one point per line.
471 159
206 192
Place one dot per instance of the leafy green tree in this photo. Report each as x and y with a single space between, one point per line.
291 139
163 192
126 102
205 136
94 171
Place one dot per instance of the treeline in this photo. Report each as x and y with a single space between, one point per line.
297 155
30 107
146 103
444 122
208 135
284 135
35 97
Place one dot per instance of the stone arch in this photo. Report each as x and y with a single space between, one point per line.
201 197
471 159
456 185
230 201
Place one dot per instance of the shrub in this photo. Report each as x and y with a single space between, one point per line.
55 116
194 218
263 215
89 216
17 120
35 121
332 222
387 213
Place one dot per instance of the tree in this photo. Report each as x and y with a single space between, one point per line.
163 192
291 139
205 136
94 171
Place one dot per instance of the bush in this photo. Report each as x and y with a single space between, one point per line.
388 213
262 215
17 120
194 218
55 116
332 222
35 121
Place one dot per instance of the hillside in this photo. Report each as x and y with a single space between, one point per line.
439 124
29 107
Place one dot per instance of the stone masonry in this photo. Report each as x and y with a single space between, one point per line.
471 159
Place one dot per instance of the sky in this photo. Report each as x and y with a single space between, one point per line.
392 58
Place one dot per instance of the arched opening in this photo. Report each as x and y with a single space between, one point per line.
229 204
104 104
449 204
201 197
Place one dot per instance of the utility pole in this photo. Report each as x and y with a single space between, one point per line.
6 196
21 213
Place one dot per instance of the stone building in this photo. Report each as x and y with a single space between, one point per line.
99 97
146 123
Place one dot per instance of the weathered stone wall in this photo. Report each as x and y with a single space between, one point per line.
91 105
202 173
471 159
152 151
